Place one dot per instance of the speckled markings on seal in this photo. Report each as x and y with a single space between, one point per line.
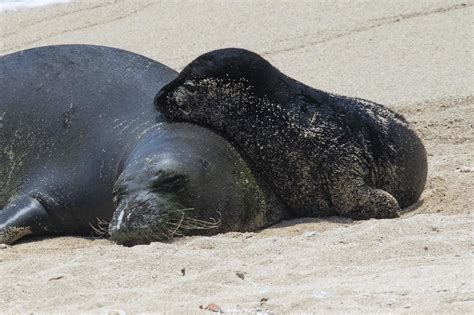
321 153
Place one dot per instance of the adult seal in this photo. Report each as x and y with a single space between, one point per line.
321 153
81 143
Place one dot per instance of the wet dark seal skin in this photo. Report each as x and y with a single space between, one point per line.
321 153
81 143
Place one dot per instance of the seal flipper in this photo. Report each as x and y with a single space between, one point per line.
351 196
23 216
359 201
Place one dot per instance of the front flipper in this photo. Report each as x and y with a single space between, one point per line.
23 216
352 197
358 201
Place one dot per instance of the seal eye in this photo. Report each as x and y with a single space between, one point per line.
190 86
168 181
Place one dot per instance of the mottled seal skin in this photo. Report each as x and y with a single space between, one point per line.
81 143
321 153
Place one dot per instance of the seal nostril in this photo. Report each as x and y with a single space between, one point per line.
190 86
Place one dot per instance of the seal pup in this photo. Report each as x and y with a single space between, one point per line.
321 153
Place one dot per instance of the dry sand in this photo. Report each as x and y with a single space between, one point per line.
413 56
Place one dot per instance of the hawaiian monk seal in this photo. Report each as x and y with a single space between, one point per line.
321 153
80 141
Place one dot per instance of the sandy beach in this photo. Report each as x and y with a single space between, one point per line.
415 57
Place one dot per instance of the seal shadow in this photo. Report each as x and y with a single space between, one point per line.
326 223
301 224
307 224
32 239
412 208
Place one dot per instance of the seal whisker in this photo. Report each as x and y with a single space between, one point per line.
178 225
102 228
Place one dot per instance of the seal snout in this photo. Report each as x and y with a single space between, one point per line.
132 222
143 217
178 95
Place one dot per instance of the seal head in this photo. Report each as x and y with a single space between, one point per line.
182 179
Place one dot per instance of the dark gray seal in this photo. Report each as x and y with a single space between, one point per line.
321 153
81 143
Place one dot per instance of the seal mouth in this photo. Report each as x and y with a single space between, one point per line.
129 239
137 221
135 224
160 98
